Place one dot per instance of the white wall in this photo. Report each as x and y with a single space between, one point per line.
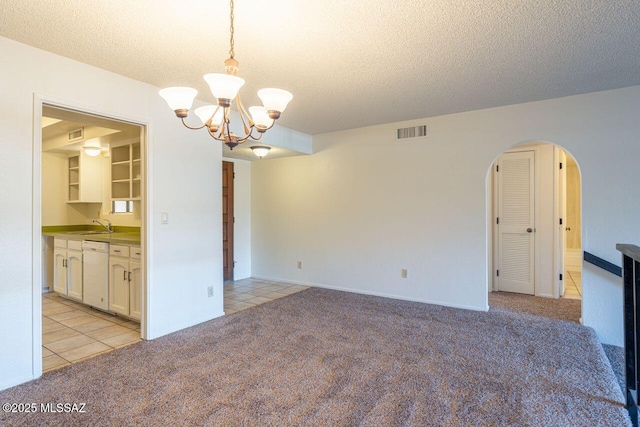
365 205
185 255
242 213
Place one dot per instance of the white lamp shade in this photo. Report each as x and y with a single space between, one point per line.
179 98
206 112
260 116
275 99
224 86
92 151
261 151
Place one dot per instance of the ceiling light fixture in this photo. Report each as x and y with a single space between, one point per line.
260 150
92 151
225 88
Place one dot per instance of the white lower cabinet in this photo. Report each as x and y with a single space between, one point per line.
125 275
119 285
67 268
135 290
74 274
125 282
60 270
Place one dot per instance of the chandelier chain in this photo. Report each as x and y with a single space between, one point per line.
231 41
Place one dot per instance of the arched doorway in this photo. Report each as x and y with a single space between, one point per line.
534 190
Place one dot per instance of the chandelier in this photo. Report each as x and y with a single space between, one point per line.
225 87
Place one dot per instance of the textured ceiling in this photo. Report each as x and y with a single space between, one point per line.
351 63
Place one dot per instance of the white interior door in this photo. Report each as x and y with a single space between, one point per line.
516 221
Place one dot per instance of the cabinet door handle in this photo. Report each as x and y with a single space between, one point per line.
64 263
129 276
125 275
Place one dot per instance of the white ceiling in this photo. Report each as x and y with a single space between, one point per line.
351 63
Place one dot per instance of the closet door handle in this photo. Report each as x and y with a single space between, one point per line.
125 275
129 276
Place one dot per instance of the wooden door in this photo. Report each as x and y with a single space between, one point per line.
516 193
227 220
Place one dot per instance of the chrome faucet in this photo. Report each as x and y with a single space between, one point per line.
107 227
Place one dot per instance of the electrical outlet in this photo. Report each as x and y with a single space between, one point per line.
403 273
300 265
210 291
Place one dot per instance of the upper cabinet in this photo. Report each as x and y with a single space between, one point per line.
125 172
84 179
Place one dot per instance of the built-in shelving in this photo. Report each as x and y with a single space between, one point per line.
84 179
125 172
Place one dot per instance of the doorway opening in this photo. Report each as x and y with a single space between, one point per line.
92 222
535 238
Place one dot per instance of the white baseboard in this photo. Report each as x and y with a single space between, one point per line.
158 334
376 294
15 381
544 295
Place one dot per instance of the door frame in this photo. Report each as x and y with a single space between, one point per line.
40 100
559 211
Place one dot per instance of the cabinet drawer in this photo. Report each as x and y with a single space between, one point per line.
119 250
60 243
75 245
136 252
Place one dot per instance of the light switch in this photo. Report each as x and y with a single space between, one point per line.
164 218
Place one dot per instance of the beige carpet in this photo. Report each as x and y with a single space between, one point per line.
560 309
322 357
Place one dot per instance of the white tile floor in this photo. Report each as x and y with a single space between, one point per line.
572 285
73 332
247 293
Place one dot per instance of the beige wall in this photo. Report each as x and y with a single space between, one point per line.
55 209
573 220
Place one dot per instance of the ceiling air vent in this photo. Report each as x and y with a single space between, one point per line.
76 135
412 132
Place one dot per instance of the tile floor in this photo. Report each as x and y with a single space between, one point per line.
247 293
572 285
72 332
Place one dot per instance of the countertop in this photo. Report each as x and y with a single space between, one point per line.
115 238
